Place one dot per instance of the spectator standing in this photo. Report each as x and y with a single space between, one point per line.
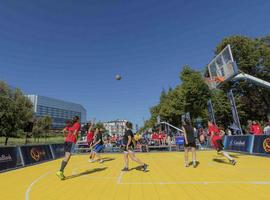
255 128
160 137
266 129
164 138
202 135
137 137
114 139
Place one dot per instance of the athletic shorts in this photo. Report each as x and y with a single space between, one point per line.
98 148
218 145
130 148
90 143
68 146
190 144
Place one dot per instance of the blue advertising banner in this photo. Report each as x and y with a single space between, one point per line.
8 158
58 150
238 143
261 144
179 140
36 154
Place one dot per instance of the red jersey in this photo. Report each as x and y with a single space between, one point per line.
256 129
114 138
163 135
71 137
66 129
90 136
214 128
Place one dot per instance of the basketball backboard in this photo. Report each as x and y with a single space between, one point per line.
222 68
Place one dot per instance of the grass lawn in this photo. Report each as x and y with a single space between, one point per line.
20 141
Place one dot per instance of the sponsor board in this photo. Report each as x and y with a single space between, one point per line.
58 150
179 140
36 154
262 144
8 158
238 143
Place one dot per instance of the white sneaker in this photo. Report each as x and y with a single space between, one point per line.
101 161
91 160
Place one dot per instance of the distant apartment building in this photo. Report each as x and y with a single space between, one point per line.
115 127
60 111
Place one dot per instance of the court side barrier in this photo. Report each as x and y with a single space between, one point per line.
253 144
9 158
262 145
57 150
12 157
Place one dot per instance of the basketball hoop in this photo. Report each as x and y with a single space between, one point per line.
214 81
221 69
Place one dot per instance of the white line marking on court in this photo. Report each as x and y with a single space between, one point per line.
196 183
33 183
120 178
44 175
102 178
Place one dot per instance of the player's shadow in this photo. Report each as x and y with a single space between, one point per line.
234 156
107 159
86 173
238 155
197 164
221 161
138 168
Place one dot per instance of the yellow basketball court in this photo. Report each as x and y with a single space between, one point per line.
167 178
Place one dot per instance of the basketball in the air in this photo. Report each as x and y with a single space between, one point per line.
118 77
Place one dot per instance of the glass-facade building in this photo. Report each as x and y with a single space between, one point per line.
60 111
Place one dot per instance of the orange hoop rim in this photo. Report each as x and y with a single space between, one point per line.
215 79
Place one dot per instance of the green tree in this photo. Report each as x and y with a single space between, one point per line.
42 126
173 106
266 40
46 125
253 102
221 107
37 128
195 92
190 96
15 111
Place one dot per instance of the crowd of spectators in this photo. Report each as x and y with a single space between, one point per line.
144 140
163 138
255 128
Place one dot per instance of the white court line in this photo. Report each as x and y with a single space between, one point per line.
36 180
33 183
120 178
196 183
100 177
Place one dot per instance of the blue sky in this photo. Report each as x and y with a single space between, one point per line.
71 50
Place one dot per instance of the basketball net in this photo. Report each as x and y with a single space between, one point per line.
213 82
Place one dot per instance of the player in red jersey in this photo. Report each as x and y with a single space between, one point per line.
216 139
71 139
